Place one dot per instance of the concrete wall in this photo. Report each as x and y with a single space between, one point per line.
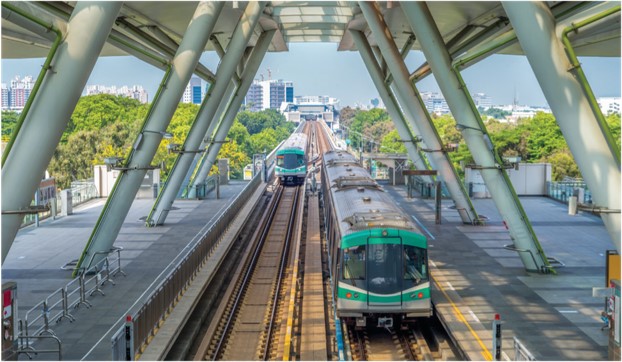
529 180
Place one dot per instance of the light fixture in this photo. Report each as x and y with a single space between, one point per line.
139 138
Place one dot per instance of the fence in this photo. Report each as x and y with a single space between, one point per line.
178 276
562 191
56 306
521 353
81 192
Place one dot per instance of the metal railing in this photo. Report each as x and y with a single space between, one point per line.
521 353
81 192
562 190
180 273
57 305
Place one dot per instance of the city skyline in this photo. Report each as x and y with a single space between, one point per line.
342 74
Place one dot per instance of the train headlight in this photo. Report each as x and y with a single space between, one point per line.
413 296
348 295
385 233
356 295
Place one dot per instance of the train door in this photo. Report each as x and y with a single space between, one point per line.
384 265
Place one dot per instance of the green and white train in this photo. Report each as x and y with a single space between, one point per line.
378 257
291 160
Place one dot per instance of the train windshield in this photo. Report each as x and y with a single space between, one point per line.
289 160
383 268
415 266
354 264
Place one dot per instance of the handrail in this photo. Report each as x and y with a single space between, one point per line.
151 307
46 66
24 346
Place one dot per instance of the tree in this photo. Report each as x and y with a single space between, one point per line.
391 143
9 121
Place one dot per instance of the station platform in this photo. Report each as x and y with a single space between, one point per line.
554 317
474 277
38 253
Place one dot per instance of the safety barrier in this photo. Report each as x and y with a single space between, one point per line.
178 276
57 305
521 353
562 190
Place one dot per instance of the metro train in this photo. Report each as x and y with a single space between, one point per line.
378 257
291 160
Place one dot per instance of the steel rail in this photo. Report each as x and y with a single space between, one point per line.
249 272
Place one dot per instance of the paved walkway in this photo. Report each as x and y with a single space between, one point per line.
37 255
554 316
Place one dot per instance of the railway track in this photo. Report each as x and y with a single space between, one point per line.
251 317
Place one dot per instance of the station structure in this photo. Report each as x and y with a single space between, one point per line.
172 36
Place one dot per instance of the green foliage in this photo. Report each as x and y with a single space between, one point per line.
391 143
255 122
495 113
237 159
9 121
613 120
562 164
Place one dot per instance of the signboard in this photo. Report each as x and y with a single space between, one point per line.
419 172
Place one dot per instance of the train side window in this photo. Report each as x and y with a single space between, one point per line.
354 263
415 266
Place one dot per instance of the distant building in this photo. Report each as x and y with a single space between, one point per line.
311 108
269 94
15 96
193 92
135 92
435 103
482 100
609 105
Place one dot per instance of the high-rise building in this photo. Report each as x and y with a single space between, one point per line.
435 103
16 95
269 94
5 96
193 92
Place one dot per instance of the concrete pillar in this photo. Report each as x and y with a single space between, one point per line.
535 27
414 108
474 133
388 99
86 33
148 140
248 74
235 51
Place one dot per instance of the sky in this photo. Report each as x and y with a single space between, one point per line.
319 69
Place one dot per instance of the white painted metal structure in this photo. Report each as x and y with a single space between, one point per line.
153 31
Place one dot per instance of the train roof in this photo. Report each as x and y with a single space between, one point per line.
297 141
360 202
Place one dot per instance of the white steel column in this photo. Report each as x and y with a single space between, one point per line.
148 140
413 107
247 76
226 70
87 31
535 27
384 91
474 133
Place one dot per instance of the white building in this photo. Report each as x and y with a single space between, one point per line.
269 94
609 105
135 92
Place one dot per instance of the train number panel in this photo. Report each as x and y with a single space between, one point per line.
379 258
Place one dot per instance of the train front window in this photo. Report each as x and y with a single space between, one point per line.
354 264
383 268
290 161
415 265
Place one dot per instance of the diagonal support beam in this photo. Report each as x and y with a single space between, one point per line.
587 138
223 128
87 31
148 140
388 98
413 106
235 51
474 133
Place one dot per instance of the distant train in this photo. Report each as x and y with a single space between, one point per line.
378 257
291 160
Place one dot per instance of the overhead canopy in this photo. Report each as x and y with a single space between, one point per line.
296 21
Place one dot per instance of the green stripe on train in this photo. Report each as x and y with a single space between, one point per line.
395 298
375 236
